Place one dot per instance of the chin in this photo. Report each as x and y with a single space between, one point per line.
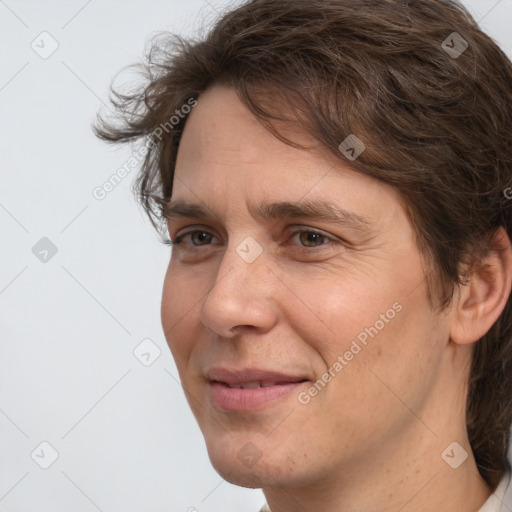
233 464
237 473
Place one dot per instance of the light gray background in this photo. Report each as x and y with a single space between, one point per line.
125 437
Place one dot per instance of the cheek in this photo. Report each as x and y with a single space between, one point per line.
386 337
168 312
180 303
372 308
385 361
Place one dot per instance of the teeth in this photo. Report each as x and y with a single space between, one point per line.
250 385
253 385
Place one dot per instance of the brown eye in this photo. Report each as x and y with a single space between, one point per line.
200 238
197 238
312 238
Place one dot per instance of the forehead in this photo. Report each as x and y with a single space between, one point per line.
221 131
227 159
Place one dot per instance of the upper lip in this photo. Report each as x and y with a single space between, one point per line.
242 376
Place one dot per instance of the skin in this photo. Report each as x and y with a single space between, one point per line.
372 439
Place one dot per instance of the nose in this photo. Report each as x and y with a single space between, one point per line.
242 297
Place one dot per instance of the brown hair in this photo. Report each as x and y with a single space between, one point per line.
437 127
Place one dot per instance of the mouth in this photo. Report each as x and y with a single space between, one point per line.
249 389
256 384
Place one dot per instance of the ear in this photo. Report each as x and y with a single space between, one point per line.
484 296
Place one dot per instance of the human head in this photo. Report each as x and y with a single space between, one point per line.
436 129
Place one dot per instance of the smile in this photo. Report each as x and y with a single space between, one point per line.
249 390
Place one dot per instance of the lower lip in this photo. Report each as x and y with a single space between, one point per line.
252 399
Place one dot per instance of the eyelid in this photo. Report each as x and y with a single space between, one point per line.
309 229
178 238
328 243
191 229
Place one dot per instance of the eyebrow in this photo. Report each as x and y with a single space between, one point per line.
314 210
317 210
183 209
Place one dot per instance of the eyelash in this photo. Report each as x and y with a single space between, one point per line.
179 239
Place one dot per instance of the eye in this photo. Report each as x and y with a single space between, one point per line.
310 238
196 238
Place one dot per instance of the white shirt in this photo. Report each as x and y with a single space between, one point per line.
499 501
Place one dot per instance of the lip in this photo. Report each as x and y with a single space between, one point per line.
224 393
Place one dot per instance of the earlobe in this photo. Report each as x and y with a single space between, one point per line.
485 294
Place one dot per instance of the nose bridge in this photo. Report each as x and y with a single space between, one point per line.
243 263
240 295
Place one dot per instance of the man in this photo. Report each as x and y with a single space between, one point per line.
332 176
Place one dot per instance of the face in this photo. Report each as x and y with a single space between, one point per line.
294 303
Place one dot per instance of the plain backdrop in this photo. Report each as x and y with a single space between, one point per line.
92 416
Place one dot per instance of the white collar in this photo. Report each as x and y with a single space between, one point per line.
495 500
